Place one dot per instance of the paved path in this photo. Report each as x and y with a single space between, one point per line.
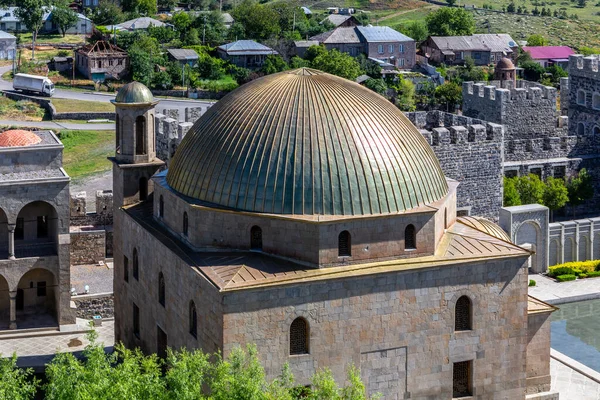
571 384
37 351
59 125
179 104
553 292
99 278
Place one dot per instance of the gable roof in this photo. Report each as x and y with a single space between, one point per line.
140 23
549 52
361 34
246 47
183 54
6 35
337 19
7 14
101 48
493 42
375 34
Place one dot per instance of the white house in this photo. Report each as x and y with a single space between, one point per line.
10 22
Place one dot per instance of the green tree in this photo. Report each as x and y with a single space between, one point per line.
274 63
376 85
416 30
511 194
449 93
181 21
144 7
297 62
580 188
31 14
63 17
107 13
555 194
451 3
166 4
581 3
336 63
259 22
450 22
16 383
537 40
211 27
511 8
532 71
141 65
531 189
405 95
369 67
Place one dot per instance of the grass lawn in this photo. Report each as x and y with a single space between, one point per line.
20 110
86 151
53 39
69 105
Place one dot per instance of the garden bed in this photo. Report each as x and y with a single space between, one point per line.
574 270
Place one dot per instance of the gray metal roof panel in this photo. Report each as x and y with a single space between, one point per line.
382 34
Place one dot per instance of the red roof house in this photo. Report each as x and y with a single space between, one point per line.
549 55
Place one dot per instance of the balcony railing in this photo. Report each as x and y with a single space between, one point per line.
31 249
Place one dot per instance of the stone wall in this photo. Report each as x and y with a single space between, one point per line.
91 232
471 152
577 240
95 304
87 246
538 352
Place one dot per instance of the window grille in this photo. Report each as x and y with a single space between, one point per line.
256 238
462 316
299 337
461 379
344 244
410 238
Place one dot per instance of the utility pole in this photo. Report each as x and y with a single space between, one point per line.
204 30
294 23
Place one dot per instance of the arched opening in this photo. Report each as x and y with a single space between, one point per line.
140 135
597 247
185 223
584 248
581 97
529 236
193 320
344 244
580 128
4 304
117 134
569 250
161 289
136 266
36 231
161 206
553 253
596 130
3 235
299 337
410 238
143 184
462 314
256 238
38 298
596 101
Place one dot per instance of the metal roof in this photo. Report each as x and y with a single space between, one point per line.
6 35
337 19
246 47
549 52
306 43
306 10
140 23
494 42
7 14
183 54
305 142
382 34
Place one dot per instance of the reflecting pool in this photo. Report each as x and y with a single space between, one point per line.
576 332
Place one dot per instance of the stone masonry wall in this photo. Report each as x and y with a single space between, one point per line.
471 152
538 353
90 305
88 247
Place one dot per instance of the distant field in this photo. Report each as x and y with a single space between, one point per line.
86 151
68 105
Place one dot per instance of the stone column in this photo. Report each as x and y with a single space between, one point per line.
13 309
11 241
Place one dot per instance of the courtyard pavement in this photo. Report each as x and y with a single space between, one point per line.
36 350
553 292
98 277
571 384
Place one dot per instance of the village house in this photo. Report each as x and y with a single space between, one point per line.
380 43
484 49
10 22
550 55
245 53
183 56
101 61
8 46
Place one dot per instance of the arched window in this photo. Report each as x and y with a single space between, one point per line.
299 337
143 184
596 130
161 207
117 134
580 129
256 238
193 320
185 224
344 244
462 314
136 267
140 135
596 101
581 97
410 238
161 289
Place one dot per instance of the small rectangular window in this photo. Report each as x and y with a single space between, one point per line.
560 172
125 269
136 320
401 62
41 289
380 49
391 48
20 229
461 379
401 48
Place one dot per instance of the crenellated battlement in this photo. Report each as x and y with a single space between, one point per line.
587 66
494 93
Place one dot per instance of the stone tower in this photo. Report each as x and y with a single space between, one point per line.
505 71
135 155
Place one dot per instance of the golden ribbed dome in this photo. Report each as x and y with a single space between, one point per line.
306 142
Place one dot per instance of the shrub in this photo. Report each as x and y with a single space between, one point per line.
593 274
582 276
562 270
574 268
531 282
567 277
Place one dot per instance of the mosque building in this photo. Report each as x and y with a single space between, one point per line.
305 214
